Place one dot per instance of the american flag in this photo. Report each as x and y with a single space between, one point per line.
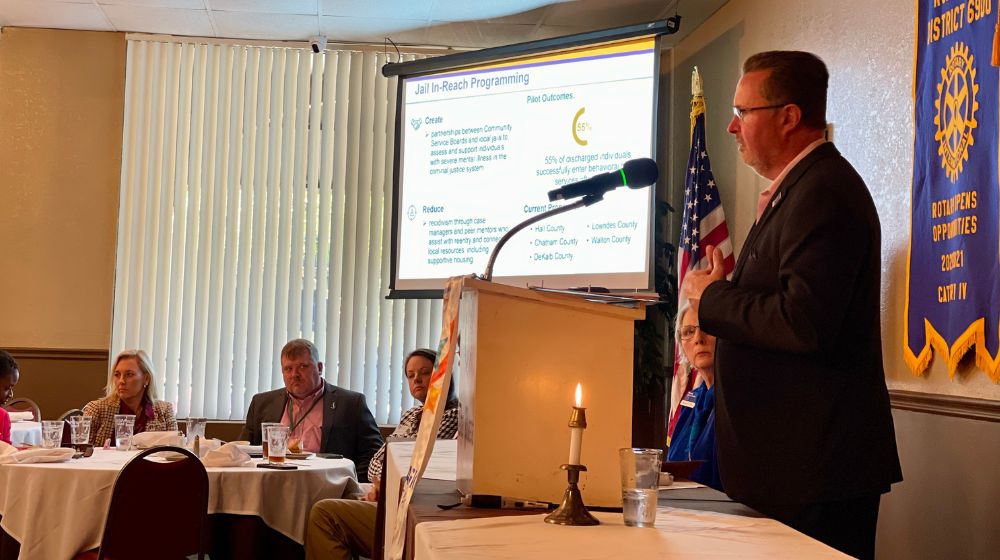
704 224
704 219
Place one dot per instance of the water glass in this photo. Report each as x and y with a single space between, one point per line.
640 476
195 427
263 436
124 428
52 433
277 443
79 431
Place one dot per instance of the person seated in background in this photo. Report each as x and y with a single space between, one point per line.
9 375
694 434
131 390
342 529
323 417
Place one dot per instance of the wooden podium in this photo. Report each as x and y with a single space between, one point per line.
522 352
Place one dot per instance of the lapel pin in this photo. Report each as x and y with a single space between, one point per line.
777 199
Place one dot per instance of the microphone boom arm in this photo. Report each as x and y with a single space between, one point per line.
585 201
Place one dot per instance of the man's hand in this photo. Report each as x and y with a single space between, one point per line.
697 280
373 493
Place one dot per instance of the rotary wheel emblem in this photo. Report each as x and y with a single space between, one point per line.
956 107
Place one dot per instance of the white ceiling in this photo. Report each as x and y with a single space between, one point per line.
455 23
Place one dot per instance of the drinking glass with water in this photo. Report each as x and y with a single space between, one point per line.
124 428
640 472
79 430
52 433
195 428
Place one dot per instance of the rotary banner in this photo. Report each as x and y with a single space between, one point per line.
953 276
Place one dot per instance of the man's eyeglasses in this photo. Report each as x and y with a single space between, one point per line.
740 112
688 332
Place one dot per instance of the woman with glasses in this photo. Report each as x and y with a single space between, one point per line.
694 434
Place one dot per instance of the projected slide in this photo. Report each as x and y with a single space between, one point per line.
483 146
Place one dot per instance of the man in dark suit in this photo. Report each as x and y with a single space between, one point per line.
324 418
803 427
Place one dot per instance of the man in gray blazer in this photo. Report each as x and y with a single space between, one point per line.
324 418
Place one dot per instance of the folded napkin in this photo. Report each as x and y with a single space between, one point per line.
204 446
10 454
228 455
152 439
21 416
7 452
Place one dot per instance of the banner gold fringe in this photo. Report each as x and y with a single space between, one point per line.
996 44
973 336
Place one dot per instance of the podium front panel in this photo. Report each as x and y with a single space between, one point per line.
522 354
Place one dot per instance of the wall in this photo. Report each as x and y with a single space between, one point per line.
946 505
869 53
942 507
60 144
61 99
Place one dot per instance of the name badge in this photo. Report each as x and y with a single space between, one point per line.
689 399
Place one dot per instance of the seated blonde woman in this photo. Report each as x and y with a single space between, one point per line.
131 390
694 434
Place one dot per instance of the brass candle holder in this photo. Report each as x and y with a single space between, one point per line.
572 511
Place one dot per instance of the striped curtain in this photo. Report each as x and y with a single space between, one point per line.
255 208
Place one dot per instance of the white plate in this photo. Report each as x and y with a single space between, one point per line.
251 449
169 456
304 455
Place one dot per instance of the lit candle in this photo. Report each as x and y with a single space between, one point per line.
577 423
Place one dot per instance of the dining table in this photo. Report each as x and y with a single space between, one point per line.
25 432
55 510
692 521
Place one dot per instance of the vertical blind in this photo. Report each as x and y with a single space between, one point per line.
255 208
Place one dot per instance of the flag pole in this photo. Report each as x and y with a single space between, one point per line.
703 221
680 381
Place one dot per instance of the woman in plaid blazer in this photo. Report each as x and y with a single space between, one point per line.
131 390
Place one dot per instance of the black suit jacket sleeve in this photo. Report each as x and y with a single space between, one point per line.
249 433
349 428
264 407
802 411
800 292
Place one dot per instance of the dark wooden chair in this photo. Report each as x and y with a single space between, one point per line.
70 412
175 492
67 433
386 430
24 404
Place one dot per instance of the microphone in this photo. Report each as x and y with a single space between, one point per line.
635 174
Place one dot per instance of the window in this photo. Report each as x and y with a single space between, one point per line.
254 207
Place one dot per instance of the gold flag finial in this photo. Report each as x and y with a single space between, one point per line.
697 97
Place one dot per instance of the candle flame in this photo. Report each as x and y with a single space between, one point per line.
579 395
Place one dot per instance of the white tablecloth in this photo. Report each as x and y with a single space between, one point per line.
679 533
25 432
441 466
58 509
